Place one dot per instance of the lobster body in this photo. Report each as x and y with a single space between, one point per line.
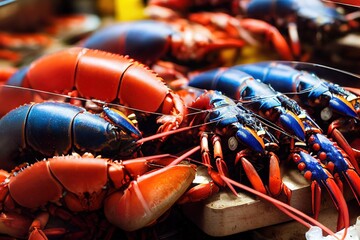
232 139
311 21
253 94
258 96
103 76
54 128
90 184
309 10
223 113
136 39
307 89
177 41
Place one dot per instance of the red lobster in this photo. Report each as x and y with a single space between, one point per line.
98 75
130 195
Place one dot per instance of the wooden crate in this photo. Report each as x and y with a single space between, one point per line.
225 214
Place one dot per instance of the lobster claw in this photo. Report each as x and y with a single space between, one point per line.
336 162
292 124
251 139
314 171
342 106
121 121
147 198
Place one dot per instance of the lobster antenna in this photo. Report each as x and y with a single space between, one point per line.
168 133
185 155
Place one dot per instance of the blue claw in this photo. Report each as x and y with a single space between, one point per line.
121 121
250 139
292 124
342 106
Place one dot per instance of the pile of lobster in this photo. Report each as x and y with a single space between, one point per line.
239 118
91 137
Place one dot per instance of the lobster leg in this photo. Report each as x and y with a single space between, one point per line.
204 190
252 175
14 224
35 229
343 143
218 155
275 186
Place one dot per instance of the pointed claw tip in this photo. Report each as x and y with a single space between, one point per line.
343 107
293 125
249 138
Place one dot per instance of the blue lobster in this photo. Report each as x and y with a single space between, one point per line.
270 104
149 41
54 128
311 21
237 138
309 91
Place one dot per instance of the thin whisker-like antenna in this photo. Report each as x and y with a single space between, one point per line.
168 133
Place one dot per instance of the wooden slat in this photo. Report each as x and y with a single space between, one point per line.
224 214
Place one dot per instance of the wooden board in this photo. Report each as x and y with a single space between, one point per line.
225 214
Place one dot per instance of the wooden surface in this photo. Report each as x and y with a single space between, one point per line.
225 214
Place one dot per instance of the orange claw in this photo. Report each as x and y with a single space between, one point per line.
253 176
143 202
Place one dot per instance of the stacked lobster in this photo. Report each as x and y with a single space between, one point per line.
240 133
110 129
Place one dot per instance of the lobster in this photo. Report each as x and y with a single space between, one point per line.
64 187
14 47
324 20
179 41
183 43
253 94
99 75
56 128
311 21
269 104
329 104
311 92
232 137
